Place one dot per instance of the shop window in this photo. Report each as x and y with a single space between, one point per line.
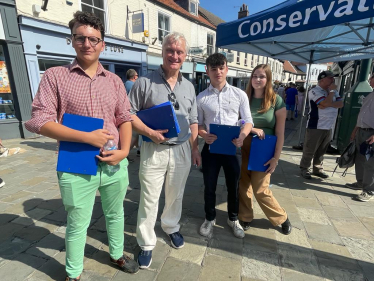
193 8
96 7
44 64
163 26
209 46
6 97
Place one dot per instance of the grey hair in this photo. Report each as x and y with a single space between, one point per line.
175 37
131 73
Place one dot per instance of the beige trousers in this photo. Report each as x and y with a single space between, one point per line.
161 164
257 184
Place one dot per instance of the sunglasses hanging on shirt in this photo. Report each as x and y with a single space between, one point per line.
173 100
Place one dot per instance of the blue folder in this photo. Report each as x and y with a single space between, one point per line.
225 134
76 157
160 117
261 152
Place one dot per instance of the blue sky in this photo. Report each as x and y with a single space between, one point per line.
228 9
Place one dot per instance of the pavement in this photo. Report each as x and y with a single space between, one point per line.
332 236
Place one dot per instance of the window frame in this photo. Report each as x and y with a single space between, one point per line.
196 7
246 59
164 15
237 57
105 10
207 43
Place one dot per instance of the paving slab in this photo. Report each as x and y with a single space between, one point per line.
324 233
307 203
342 214
53 269
23 265
299 258
352 229
293 275
178 270
193 251
261 265
313 216
218 268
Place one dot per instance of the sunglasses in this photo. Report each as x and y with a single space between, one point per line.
173 100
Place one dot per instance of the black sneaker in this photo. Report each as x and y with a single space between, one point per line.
321 174
2 183
354 186
305 174
245 225
126 264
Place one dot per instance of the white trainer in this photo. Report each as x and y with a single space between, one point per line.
237 229
206 229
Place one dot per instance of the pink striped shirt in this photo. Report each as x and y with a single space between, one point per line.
68 89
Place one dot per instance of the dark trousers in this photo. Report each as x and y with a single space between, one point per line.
364 168
212 164
316 143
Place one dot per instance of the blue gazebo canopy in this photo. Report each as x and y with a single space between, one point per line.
306 31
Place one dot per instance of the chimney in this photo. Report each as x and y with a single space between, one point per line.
243 12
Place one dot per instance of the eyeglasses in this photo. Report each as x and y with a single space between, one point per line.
80 39
173 100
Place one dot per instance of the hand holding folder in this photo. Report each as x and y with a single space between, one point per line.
225 134
160 117
261 152
76 157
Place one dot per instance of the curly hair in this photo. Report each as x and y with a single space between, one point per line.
86 18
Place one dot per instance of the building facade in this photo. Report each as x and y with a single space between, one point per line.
47 39
15 94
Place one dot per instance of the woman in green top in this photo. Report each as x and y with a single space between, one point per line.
269 118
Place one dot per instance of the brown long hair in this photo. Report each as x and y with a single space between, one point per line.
269 96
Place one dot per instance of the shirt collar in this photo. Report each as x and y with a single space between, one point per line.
162 73
224 89
100 69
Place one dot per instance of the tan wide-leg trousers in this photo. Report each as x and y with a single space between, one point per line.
257 184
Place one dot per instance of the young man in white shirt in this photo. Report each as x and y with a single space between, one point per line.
221 104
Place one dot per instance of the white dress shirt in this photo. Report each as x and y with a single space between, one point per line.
223 107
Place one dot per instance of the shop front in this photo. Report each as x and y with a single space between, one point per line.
47 44
15 94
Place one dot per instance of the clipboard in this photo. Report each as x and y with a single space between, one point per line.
160 117
76 157
261 152
225 134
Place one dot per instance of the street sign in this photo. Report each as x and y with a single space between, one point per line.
138 23
196 51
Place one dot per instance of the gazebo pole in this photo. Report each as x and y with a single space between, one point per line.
299 146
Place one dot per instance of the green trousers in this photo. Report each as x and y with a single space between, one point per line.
78 194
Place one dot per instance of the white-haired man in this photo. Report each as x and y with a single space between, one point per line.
165 160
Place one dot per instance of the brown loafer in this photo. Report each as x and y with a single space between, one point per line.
126 264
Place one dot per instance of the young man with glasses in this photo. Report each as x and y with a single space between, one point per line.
364 132
221 104
164 160
86 88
